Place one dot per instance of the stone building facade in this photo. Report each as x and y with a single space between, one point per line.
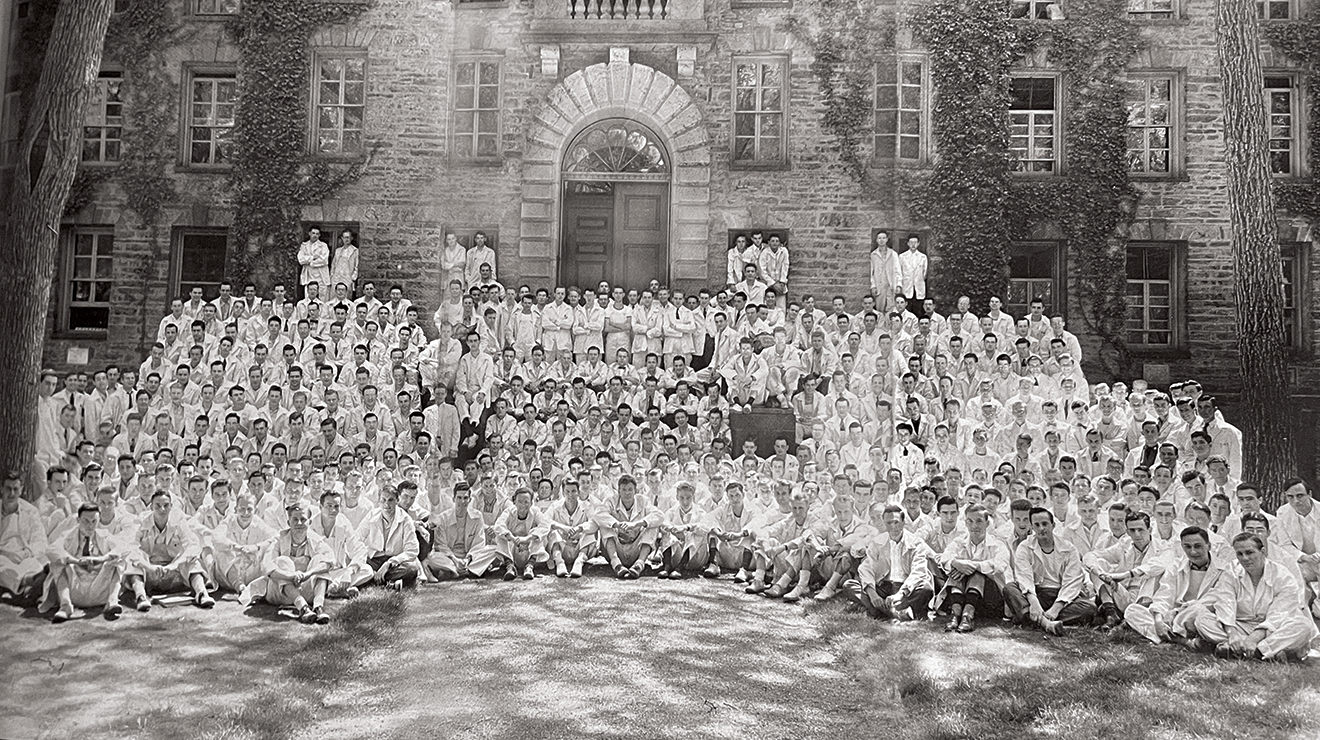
489 115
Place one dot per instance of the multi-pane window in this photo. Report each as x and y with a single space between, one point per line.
1281 98
103 119
759 100
198 261
1034 118
899 131
477 109
1033 9
89 262
214 7
1152 310
1295 291
1034 273
210 118
1150 133
1151 8
1274 10
341 93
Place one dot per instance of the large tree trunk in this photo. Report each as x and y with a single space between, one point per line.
1266 415
30 240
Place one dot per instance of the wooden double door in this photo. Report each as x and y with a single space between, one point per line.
614 231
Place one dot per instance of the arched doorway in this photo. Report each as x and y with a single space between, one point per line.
615 183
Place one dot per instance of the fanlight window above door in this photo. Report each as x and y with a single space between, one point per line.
616 146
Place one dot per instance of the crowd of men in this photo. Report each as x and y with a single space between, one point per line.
955 466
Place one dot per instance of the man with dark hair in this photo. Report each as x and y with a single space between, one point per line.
390 537
85 571
1129 570
629 527
167 558
1183 593
1052 590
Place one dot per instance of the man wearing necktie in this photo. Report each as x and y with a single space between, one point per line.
85 572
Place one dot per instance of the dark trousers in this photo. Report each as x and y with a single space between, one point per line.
407 572
976 591
1078 612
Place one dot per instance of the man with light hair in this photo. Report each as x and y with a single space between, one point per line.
572 531
1255 610
239 545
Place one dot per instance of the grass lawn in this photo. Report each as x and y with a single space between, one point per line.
1015 683
604 658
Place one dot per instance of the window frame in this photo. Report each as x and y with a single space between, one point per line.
1058 112
1292 5
68 245
1178 307
1177 121
1175 13
1298 275
177 258
1059 280
786 61
1037 10
105 74
314 80
925 143
1298 155
190 74
193 13
477 58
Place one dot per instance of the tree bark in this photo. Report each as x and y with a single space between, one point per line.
1267 442
29 241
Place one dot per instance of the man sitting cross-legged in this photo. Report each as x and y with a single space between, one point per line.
572 532
629 528
1051 589
520 536
844 545
1129 571
684 533
350 569
239 544
893 580
85 571
977 564
296 563
458 537
390 537
167 558
730 534
793 547
1255 610
1183 594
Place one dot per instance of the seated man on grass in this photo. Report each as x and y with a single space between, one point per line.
390 538
296 563
1183 594
1129 571
893 580
730 534
572 532
85 571
844 545
350 557
792 548
239 546
978 566
1051 589
629 529
520 536
1255 610
684 534
167 558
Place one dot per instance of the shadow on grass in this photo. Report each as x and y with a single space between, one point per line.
1007 683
